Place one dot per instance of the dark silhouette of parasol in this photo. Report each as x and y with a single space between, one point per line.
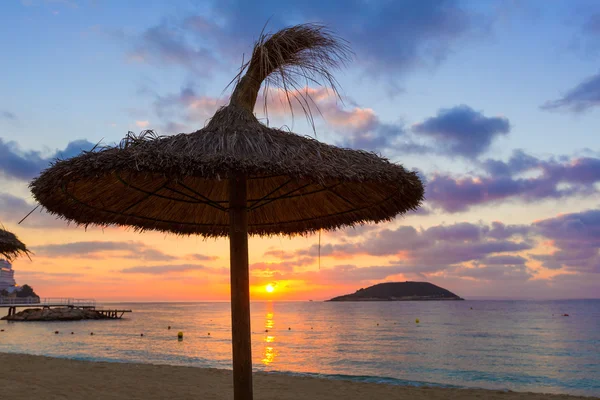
237 177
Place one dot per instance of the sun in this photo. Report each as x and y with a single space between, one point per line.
270 288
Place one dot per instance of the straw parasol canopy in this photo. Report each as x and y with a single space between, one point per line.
237 177
10 246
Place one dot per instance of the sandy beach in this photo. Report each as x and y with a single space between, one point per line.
36 377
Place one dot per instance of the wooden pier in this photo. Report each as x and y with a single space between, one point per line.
86 304
114 314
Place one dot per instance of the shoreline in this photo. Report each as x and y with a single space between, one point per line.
35 377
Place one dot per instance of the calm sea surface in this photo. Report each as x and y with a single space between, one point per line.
516 345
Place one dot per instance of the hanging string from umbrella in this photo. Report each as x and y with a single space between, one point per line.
320 249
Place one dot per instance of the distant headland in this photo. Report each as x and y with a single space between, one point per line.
400 291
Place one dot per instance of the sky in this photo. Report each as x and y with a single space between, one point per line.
495 103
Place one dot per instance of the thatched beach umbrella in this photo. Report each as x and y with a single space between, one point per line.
236 176
10 246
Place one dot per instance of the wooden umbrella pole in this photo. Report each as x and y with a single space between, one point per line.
240 289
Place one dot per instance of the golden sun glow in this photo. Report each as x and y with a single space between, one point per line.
270 288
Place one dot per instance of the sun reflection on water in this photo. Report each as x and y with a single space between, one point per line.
269 324
269 352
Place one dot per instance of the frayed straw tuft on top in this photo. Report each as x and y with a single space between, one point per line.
291 59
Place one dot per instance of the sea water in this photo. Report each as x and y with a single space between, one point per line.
506 345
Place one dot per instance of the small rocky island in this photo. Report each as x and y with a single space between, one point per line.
55 314
400 291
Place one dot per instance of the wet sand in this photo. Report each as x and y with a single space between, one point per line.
44 378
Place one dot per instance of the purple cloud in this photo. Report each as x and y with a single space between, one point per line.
280 254
13 209
170 44
349 274
167 269
435 248
359 230
555 179
591 25
459 232
201 257
504 260
187 104
7 115
462 131
463 251
18 164
519 162
501 231
576 238
417 33
459 194
111 249
99 250
377 136
448 254
581 98
494 272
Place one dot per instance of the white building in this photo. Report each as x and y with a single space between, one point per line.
7 276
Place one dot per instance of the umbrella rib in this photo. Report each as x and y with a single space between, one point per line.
195 200
189 196
330 189
287 195
124 182
270 193
277 198
209 201
328 215
297 195
213 225
72 197
148 194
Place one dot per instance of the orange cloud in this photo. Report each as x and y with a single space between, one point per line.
142 124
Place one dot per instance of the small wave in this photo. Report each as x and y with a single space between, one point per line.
366 379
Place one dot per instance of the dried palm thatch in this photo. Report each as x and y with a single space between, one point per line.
10 246
237 176
178 184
